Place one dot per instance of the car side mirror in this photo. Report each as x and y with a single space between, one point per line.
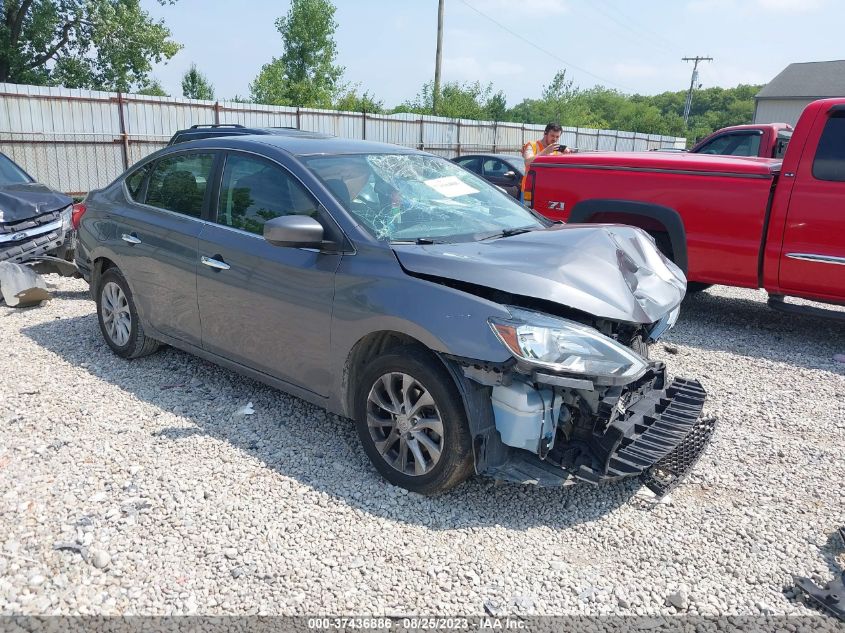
510 175
294 231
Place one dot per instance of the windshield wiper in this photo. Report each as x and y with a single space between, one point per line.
418 240
507 233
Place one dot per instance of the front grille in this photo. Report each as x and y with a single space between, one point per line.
29 223
669 471
48 236
673 418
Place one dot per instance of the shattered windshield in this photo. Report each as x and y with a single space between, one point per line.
409 197
11 174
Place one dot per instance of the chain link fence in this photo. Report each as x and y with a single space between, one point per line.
78 140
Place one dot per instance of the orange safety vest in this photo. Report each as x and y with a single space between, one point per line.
538 147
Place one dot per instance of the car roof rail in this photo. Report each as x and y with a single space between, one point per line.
199 125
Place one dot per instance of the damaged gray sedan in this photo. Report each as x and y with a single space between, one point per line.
461 332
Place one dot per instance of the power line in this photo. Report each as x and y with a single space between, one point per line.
674 46
543 50
627 27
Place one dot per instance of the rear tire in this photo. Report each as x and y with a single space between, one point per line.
412 422
118 317
696 286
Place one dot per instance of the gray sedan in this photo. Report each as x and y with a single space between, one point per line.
462 332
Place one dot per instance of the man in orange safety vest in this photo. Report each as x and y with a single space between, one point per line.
549 144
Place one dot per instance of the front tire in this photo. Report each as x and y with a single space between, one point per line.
118 317
412 423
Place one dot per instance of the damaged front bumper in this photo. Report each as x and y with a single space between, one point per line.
46 242
551 430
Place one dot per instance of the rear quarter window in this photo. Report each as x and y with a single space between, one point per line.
829 162
135 182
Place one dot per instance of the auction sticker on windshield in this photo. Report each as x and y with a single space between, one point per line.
450 186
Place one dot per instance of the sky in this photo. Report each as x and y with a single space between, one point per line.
388 46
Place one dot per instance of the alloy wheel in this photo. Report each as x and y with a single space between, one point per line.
117 317
405 424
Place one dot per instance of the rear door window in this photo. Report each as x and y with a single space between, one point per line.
179 183
829 162
473 164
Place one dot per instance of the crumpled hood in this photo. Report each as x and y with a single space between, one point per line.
28 200
610 271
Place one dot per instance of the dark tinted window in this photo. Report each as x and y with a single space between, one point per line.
10 173
495 167
781 143
741 144
254 191
473 164
829 163
135 180
178 183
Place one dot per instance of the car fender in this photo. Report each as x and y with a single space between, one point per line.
585 210
411 308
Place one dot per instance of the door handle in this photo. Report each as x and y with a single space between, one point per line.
131 238
214 263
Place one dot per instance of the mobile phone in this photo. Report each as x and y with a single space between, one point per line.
561 147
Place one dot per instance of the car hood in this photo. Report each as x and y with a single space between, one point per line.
610 271
28 200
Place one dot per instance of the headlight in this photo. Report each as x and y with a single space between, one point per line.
567 346
66 215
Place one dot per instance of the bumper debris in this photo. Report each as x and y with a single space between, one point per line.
21 287
832 596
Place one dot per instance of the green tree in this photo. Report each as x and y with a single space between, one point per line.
153 88
306 73
100 44
352 101
469 100
195 85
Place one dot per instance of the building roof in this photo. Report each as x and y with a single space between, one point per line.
814 80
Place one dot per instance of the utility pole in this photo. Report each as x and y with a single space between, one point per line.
435 98
694 78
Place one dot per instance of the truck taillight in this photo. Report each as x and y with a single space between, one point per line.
528 193
76 217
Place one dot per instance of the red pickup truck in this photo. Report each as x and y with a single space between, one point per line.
738 221
767 140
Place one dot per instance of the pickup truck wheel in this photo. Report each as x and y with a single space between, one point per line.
118 317
696 286
664 244
412 423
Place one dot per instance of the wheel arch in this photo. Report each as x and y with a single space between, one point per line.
366 349
640 214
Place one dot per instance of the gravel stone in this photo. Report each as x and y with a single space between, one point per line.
100 558
678 599
142 460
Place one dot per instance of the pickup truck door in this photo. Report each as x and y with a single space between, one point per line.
813 251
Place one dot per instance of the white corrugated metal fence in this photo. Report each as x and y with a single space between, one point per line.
77 140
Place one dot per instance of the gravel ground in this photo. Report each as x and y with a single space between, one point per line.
180 506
